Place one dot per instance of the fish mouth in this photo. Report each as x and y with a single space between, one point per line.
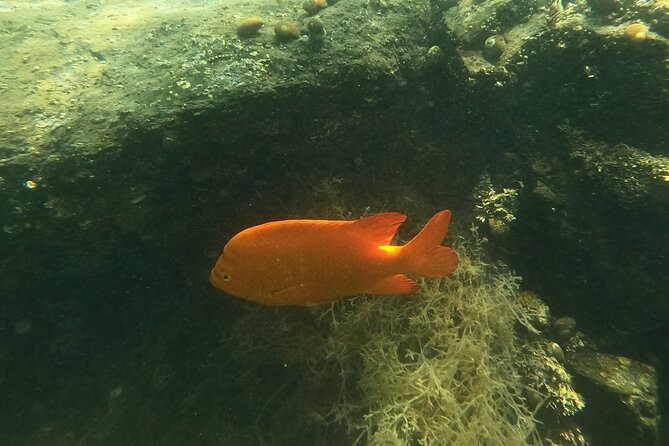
213 279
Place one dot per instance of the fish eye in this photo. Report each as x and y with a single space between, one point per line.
226 277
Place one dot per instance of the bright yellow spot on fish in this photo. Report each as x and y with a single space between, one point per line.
390 249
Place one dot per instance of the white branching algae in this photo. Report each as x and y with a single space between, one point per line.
436 368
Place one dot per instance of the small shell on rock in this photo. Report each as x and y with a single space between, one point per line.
315 29
314 6
493 47
434 54
636 32
286 31
249 27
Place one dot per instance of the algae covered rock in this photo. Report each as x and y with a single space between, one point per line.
475 21
623 388
135 140
631 176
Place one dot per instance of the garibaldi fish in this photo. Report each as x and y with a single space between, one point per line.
310 262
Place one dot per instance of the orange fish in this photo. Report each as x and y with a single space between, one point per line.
310 262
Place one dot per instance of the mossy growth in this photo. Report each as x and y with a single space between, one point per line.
436 368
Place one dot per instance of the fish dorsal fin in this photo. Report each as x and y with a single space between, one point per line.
380 228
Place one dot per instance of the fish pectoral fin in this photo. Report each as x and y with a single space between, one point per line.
302 294
397 284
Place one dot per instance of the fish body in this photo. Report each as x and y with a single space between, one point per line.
310 262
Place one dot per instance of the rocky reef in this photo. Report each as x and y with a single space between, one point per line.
136 138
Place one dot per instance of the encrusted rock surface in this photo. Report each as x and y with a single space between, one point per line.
137 137
622 392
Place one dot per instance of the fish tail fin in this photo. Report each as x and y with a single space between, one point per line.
424 255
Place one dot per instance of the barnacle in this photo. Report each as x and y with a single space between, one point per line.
249 27
636 32
286 31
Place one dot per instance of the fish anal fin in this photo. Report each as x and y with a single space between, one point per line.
380 228
397 284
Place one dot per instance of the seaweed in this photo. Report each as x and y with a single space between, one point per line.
438 367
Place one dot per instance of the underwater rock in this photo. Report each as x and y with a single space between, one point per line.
440 6
626 388
623 173
249 27
286 31
99 133
472 25
605 6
